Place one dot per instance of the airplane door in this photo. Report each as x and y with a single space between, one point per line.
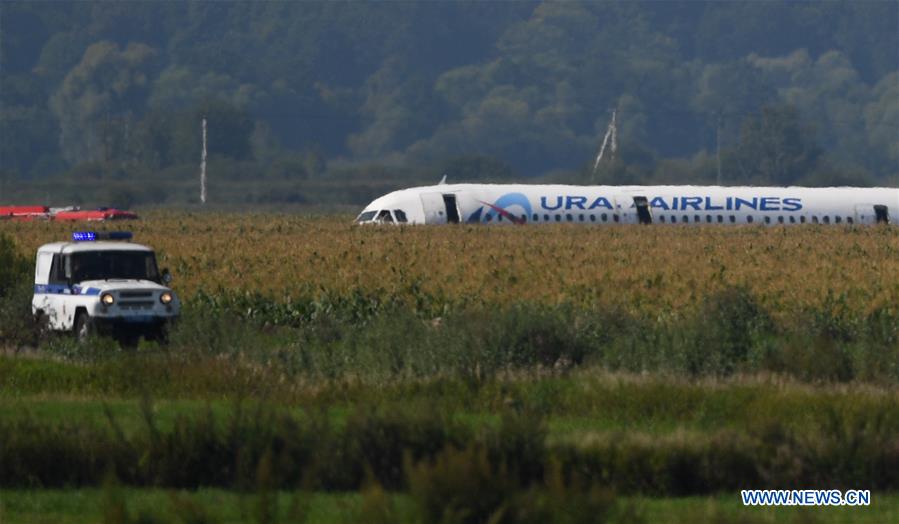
440 208
644 213
872 214
633 209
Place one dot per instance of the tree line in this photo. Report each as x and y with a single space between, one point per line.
736 92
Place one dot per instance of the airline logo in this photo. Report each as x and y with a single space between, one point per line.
678 203
516 207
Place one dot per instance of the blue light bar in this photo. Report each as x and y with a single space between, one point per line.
91 236
84 236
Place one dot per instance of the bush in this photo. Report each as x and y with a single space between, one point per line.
17 327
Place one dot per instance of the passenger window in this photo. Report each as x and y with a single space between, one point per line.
536 217
57 272
748 219
568 217
826 219
780 220
733 219
592 218
792 219
815 219
662 219
558 218
605 217
546 218
581 217
849 220
499 217
767 220
685 219
708 219
802 219
400 215
838 219
696 218
615 218
720 218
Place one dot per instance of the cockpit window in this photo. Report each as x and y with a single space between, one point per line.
400 215
366 216
384 216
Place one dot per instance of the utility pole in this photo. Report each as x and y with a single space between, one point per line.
718 146
203 167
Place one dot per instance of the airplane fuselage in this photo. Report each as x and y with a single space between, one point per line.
550 204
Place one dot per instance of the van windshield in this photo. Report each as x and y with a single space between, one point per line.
101 265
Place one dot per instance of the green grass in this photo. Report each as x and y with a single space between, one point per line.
83 506
589 400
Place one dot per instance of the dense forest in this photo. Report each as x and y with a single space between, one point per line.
333 102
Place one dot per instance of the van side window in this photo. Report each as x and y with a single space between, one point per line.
57 271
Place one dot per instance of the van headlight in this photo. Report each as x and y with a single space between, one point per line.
107 299
166 298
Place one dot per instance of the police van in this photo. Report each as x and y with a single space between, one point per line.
102 283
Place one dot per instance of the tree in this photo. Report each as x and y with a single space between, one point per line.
775 148
98 97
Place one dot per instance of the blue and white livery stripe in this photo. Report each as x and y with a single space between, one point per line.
62 289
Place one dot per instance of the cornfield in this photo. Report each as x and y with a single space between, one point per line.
654 270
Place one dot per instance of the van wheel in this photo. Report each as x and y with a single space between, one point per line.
84 326
41 326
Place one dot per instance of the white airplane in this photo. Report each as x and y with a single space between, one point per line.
552 204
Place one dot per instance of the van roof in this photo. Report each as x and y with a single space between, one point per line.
80 247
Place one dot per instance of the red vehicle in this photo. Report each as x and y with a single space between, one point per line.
92 215
29 213
25 213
